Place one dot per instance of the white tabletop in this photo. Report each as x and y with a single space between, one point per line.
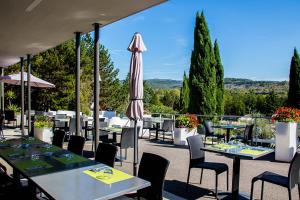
75 185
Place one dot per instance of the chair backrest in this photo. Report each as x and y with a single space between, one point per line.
76 144
294 170
101 119
249 132
167 125
106 154
59 124
195 143
154 173
73 124
9 115
1 122
147 123
58 138
208 128
127 137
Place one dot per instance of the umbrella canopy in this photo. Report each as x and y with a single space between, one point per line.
135 108
15 79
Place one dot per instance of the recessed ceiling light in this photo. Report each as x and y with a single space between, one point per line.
33 5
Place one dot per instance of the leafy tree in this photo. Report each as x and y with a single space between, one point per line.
250 99
219 80
202 77
234 104
272 102
294 84
184 94
110 84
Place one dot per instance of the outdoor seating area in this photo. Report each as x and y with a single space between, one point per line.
202 183
74 125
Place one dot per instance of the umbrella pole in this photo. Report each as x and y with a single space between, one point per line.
135 158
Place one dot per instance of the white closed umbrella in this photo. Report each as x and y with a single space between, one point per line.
15 79
135 108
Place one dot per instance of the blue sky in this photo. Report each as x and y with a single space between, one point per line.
256 37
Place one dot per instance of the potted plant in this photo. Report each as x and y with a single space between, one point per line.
286 133
43 128
185 126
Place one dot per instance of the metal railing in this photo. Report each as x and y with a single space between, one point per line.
264 127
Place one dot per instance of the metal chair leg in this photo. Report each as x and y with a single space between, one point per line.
227 180
290 193
252 187
188 179
216 189
299 190
262 190
201 175
121 157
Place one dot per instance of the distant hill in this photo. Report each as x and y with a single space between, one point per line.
164 83
230 83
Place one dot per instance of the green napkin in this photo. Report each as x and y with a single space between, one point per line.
223 146
252 152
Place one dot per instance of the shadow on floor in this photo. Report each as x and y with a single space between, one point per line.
179 188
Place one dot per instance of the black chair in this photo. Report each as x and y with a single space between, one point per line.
58 138
247 136
147 125
127 140
10 117
1 126
167 128
76 144
209 132
288 182
106 154
197 160
155 174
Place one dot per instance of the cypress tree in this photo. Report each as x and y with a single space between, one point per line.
219 80
294 83
184 94
202 77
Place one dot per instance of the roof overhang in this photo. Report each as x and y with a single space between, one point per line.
33 26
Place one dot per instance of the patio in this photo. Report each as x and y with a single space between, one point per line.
177 172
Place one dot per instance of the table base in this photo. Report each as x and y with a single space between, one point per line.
228 196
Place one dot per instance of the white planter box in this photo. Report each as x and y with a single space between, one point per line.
286 141
180 135
44 134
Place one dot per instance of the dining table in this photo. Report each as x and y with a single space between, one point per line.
114 130
228 128
237 151
157 121
61 174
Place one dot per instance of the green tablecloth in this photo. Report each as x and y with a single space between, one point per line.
26 165
70 160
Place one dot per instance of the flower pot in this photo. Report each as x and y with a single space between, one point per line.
286 141
180 135
44 134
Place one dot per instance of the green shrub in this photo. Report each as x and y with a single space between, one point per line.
14 108
42 122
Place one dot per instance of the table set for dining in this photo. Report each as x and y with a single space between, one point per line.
60 174
237 151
